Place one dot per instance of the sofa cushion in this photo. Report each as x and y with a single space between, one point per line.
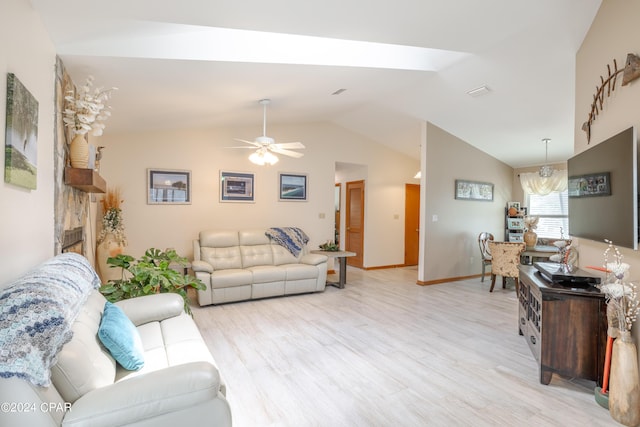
252 237
230 278
282 256
222 258
267 274
121 338
173 341
83 363
300 271
256 255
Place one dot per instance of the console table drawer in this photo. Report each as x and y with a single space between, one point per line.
533 340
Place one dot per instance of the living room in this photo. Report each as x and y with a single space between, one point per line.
29 229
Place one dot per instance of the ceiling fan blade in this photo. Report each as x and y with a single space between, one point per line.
255 144
250 148
294 145
286 152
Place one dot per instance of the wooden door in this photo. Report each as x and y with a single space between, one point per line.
337 196
411 224
354 222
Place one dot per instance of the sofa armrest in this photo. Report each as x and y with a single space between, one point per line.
152 308
313 259
147 396
201 266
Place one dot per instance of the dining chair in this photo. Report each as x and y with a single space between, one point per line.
485 254
505 258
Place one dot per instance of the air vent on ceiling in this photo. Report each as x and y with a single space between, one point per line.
479 91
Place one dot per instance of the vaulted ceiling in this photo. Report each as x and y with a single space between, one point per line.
206 63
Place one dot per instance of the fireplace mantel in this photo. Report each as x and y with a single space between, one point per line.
85 179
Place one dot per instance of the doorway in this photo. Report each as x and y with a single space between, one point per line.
411 224
354 222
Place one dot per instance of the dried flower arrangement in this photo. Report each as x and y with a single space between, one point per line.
112 217
531 222
86 110
621 294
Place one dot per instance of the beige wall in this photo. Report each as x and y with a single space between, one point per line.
127 157
26 218
451 245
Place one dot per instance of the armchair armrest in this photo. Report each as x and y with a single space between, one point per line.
313 259
152 308
200 265
147 396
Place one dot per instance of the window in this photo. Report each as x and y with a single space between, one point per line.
553 213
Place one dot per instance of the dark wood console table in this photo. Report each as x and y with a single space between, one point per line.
566 328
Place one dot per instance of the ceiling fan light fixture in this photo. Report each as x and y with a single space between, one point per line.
546 170
263 157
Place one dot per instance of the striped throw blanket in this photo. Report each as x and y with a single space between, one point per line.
37 312
291 238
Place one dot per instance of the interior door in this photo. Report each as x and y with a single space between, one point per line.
354 222
411 224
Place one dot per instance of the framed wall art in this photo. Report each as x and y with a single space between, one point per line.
21 135
473 190
168 187
597 184
237 187
292 187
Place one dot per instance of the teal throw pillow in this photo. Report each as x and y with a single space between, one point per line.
120 336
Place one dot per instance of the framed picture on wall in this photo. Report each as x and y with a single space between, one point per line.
172 187
237 187
21 136
292 187
473 190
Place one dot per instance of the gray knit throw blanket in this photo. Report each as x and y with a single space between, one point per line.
37 312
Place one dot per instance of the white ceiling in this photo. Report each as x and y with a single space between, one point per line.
178 64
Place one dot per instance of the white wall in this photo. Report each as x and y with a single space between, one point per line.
451 242
26 217
127 157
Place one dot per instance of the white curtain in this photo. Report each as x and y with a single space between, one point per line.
533 183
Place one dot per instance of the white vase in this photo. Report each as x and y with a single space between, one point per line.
79 152
108 248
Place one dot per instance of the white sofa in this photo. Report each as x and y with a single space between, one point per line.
178 385
247 264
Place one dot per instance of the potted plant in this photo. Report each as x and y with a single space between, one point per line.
151 274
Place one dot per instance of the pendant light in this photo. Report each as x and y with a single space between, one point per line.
546 170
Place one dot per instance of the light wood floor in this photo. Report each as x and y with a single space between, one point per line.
387 352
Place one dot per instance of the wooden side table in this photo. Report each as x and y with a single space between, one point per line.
341 256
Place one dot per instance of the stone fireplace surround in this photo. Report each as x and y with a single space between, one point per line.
72 210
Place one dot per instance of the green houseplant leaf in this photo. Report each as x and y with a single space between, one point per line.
150 274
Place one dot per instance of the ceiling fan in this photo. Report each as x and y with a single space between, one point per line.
266 146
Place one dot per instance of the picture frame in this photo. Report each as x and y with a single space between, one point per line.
473 190
21 135
590 185
237 187
168 187
292 187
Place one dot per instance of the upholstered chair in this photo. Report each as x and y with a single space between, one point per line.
485 254
505 258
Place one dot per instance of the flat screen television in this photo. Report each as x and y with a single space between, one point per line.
603 191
